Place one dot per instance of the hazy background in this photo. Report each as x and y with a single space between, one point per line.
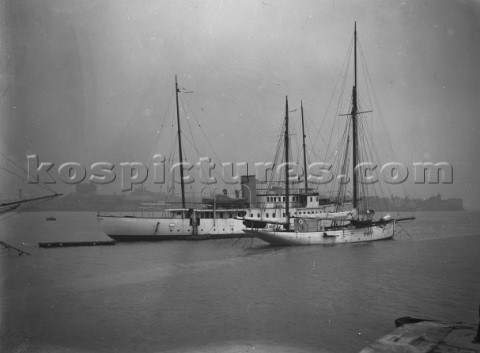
90 81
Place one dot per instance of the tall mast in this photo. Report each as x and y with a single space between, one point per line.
180 157
287 186
354 123
304 154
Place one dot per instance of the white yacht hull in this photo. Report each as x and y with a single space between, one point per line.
128 228
344 235
175 224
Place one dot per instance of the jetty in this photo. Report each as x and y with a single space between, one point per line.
65 244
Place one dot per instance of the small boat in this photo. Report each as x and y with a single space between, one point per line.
50 219
347 223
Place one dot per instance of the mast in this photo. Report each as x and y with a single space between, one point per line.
287 186
304 154
354 123
180 157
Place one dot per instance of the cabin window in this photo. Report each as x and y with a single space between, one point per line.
284 198
266 215
251 214
230 215
258 215
284 215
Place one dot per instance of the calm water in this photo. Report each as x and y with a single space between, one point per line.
221 296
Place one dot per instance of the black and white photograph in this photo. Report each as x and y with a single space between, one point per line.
255 176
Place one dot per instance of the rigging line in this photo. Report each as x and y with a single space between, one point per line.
13 173
278 152
39 184
297 141
346 166
231 187
311 151
199 154
202 166
161 127
341 83
25 208
367 131
372 149
341 151
382 120
194 116
187 118
192 143
173 149
17 71
336 152
42 186
346 62
206 138
342 94
308 118
13 162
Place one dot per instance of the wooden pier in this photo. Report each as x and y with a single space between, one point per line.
65 244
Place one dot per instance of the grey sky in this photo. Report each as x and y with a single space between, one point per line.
91 80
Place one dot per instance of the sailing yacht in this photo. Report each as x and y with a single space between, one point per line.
174 223
220 216
344 224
